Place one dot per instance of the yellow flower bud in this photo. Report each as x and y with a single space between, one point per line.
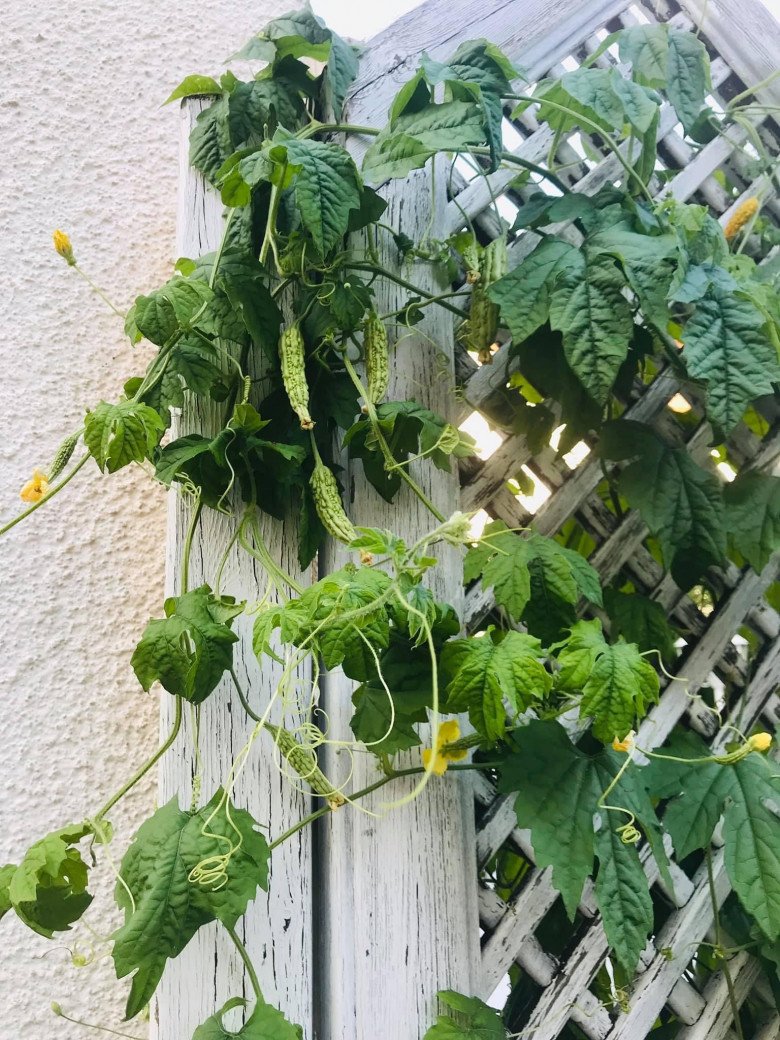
742 214
626 744
760 741
35 488
63 246
56 1008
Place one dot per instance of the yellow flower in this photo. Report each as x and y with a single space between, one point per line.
626 744
35 488
63 246
742 214
760 741
448 733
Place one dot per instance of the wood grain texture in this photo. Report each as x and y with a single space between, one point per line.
277 927
397 915
534 34
747 37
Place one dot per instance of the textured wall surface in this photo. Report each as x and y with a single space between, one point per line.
86 148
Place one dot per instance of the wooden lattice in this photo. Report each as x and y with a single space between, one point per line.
558 993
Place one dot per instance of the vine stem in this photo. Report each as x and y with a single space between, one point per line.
606 137
753 90
518 160
270 224
96 289
395 774
185 560
141 773
430 297
49 494
91 1025
250 968
388 455
726 969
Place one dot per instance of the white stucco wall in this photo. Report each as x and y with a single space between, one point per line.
85 147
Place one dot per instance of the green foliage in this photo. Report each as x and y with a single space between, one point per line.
534 578
679 501
265 1023
118 434
594 312
618 685
745 791
408 429
48 889
190 649
753 516
164 903
483 672
670 59
561 797
726 348
642 621
237 455
466 1018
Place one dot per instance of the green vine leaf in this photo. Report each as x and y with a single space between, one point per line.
523 295
748 793
477 71
537 580
726 347
340 73
336 617
412 138
471 1019
484 670
163 905
327 187
560 797
588 307
688 76
679 501
673 60
265 1023
617 683
618 691
753 516
642 621
623 896
121 433
48 890
194 86
409 429
210 143
237 453
190 649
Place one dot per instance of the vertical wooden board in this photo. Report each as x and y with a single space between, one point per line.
396 891
277 927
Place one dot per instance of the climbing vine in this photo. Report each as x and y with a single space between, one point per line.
554 699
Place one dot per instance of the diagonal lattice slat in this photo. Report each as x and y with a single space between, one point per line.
514 931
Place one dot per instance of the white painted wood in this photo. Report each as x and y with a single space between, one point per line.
278 926
717 1016
536 34
398 918
678 938
746 35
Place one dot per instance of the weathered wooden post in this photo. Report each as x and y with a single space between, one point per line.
277 928
396 911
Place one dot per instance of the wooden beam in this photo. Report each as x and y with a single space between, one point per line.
278 925
397 885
